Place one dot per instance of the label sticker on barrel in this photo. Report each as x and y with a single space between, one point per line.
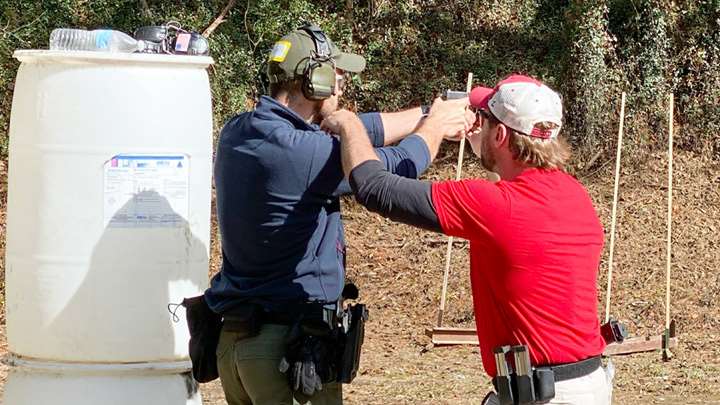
146 191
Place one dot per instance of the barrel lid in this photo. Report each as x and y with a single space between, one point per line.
88 57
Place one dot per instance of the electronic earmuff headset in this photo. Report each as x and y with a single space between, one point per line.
318 77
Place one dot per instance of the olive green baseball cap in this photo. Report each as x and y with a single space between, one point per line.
291 53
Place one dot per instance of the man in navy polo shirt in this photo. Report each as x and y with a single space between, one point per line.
278 179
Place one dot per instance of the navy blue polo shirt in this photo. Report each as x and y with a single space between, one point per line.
278 180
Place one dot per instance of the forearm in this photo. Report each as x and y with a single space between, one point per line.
432 136
404 200
400 124
355 145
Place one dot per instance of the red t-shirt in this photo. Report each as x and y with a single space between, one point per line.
535 245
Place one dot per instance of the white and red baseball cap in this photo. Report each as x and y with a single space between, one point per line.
521 102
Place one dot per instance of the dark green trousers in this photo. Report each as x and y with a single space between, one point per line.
249 371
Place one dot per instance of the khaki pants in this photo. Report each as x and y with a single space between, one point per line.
592 389
249 371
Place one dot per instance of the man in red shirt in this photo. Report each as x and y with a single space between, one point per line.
535 238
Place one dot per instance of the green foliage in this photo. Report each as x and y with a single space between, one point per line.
644 51
697 81
594 79
589 50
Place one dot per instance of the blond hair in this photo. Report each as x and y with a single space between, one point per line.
537 152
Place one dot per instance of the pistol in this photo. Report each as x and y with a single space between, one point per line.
453 95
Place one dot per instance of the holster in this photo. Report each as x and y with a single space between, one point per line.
527 385
332 342
351 343
613 331
517 382
518 390
313 338
324 342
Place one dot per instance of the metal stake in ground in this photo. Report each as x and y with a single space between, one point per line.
448 253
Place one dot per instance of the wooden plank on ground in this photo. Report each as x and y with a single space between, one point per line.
452 336
638 345
442 336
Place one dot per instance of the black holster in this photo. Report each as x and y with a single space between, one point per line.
323 347
311 349
538 388
613 331
351 342
536 385
518 382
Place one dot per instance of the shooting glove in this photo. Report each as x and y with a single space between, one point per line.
304 367
309 356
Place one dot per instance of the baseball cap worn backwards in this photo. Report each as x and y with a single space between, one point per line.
291 54
521 102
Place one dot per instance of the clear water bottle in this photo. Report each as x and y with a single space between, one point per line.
70 39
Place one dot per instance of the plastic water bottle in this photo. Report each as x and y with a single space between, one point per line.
70 39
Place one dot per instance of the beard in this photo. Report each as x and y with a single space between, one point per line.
487 156
324 108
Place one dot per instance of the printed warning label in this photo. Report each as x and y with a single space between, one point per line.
146 191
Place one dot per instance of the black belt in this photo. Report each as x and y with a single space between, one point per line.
278 318
578 369
245 312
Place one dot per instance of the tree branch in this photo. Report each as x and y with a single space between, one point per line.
219 20
247 29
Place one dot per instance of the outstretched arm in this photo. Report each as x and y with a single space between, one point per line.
409 158
446 119
401 199
400 124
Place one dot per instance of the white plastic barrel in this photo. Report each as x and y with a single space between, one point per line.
108 216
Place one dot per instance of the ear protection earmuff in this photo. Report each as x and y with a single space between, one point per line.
318 77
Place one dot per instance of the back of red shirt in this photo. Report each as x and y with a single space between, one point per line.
535 246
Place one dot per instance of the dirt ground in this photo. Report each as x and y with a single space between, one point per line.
399 272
